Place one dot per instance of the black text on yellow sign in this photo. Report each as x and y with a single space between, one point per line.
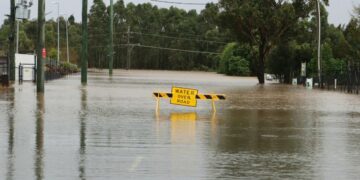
184 96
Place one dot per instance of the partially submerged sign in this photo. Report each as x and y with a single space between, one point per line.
187 97
184 96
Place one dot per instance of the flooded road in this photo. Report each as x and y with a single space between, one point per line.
109 129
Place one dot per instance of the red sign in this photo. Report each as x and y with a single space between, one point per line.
43 53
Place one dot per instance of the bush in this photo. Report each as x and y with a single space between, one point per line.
238 67
68 68
233 60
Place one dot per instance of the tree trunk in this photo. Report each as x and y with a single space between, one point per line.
261 65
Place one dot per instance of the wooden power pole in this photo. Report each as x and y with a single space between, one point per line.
12 40
41 52
111 48
85 42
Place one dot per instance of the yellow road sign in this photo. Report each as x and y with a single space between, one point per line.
184 96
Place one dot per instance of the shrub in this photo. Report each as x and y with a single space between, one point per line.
233 60
238 67
68 68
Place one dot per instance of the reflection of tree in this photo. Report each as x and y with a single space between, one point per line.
261 141
10 164
82 150
39 141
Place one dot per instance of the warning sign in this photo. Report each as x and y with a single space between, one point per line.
184 96
43 53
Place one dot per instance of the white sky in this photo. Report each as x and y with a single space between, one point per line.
339 10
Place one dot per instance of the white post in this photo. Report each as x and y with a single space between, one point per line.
17 36
335 83
58 30
67 42
319 42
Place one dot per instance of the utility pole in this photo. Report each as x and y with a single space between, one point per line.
111 49
319 42
128 49
84 49
40 47
11 40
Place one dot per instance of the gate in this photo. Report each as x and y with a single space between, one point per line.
4 71
27 72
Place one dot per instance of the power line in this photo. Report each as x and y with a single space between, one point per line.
181 3
223 37
163 36
180 50
173 34
161 48
180 38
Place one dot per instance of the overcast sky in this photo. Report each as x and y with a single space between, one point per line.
339 11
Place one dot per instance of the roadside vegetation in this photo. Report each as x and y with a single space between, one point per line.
241 38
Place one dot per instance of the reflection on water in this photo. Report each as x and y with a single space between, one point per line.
39 149
183 128
11 132
107 130
82 150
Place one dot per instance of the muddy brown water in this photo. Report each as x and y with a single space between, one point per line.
109 129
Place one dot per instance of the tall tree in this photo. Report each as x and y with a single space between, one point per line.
98 32
262 23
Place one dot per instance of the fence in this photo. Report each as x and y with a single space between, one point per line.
346 81
52 70
4 71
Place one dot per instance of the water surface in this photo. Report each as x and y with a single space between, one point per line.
109 129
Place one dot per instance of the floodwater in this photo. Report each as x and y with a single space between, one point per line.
110 129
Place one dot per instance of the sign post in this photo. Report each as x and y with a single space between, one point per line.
303 69
303 73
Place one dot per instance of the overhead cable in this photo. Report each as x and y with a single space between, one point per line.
181 3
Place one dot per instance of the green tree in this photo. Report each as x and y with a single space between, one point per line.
352 35
262 23
98 34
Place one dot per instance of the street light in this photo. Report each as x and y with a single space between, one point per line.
67 40
319 42
67 37
58 31
22 12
